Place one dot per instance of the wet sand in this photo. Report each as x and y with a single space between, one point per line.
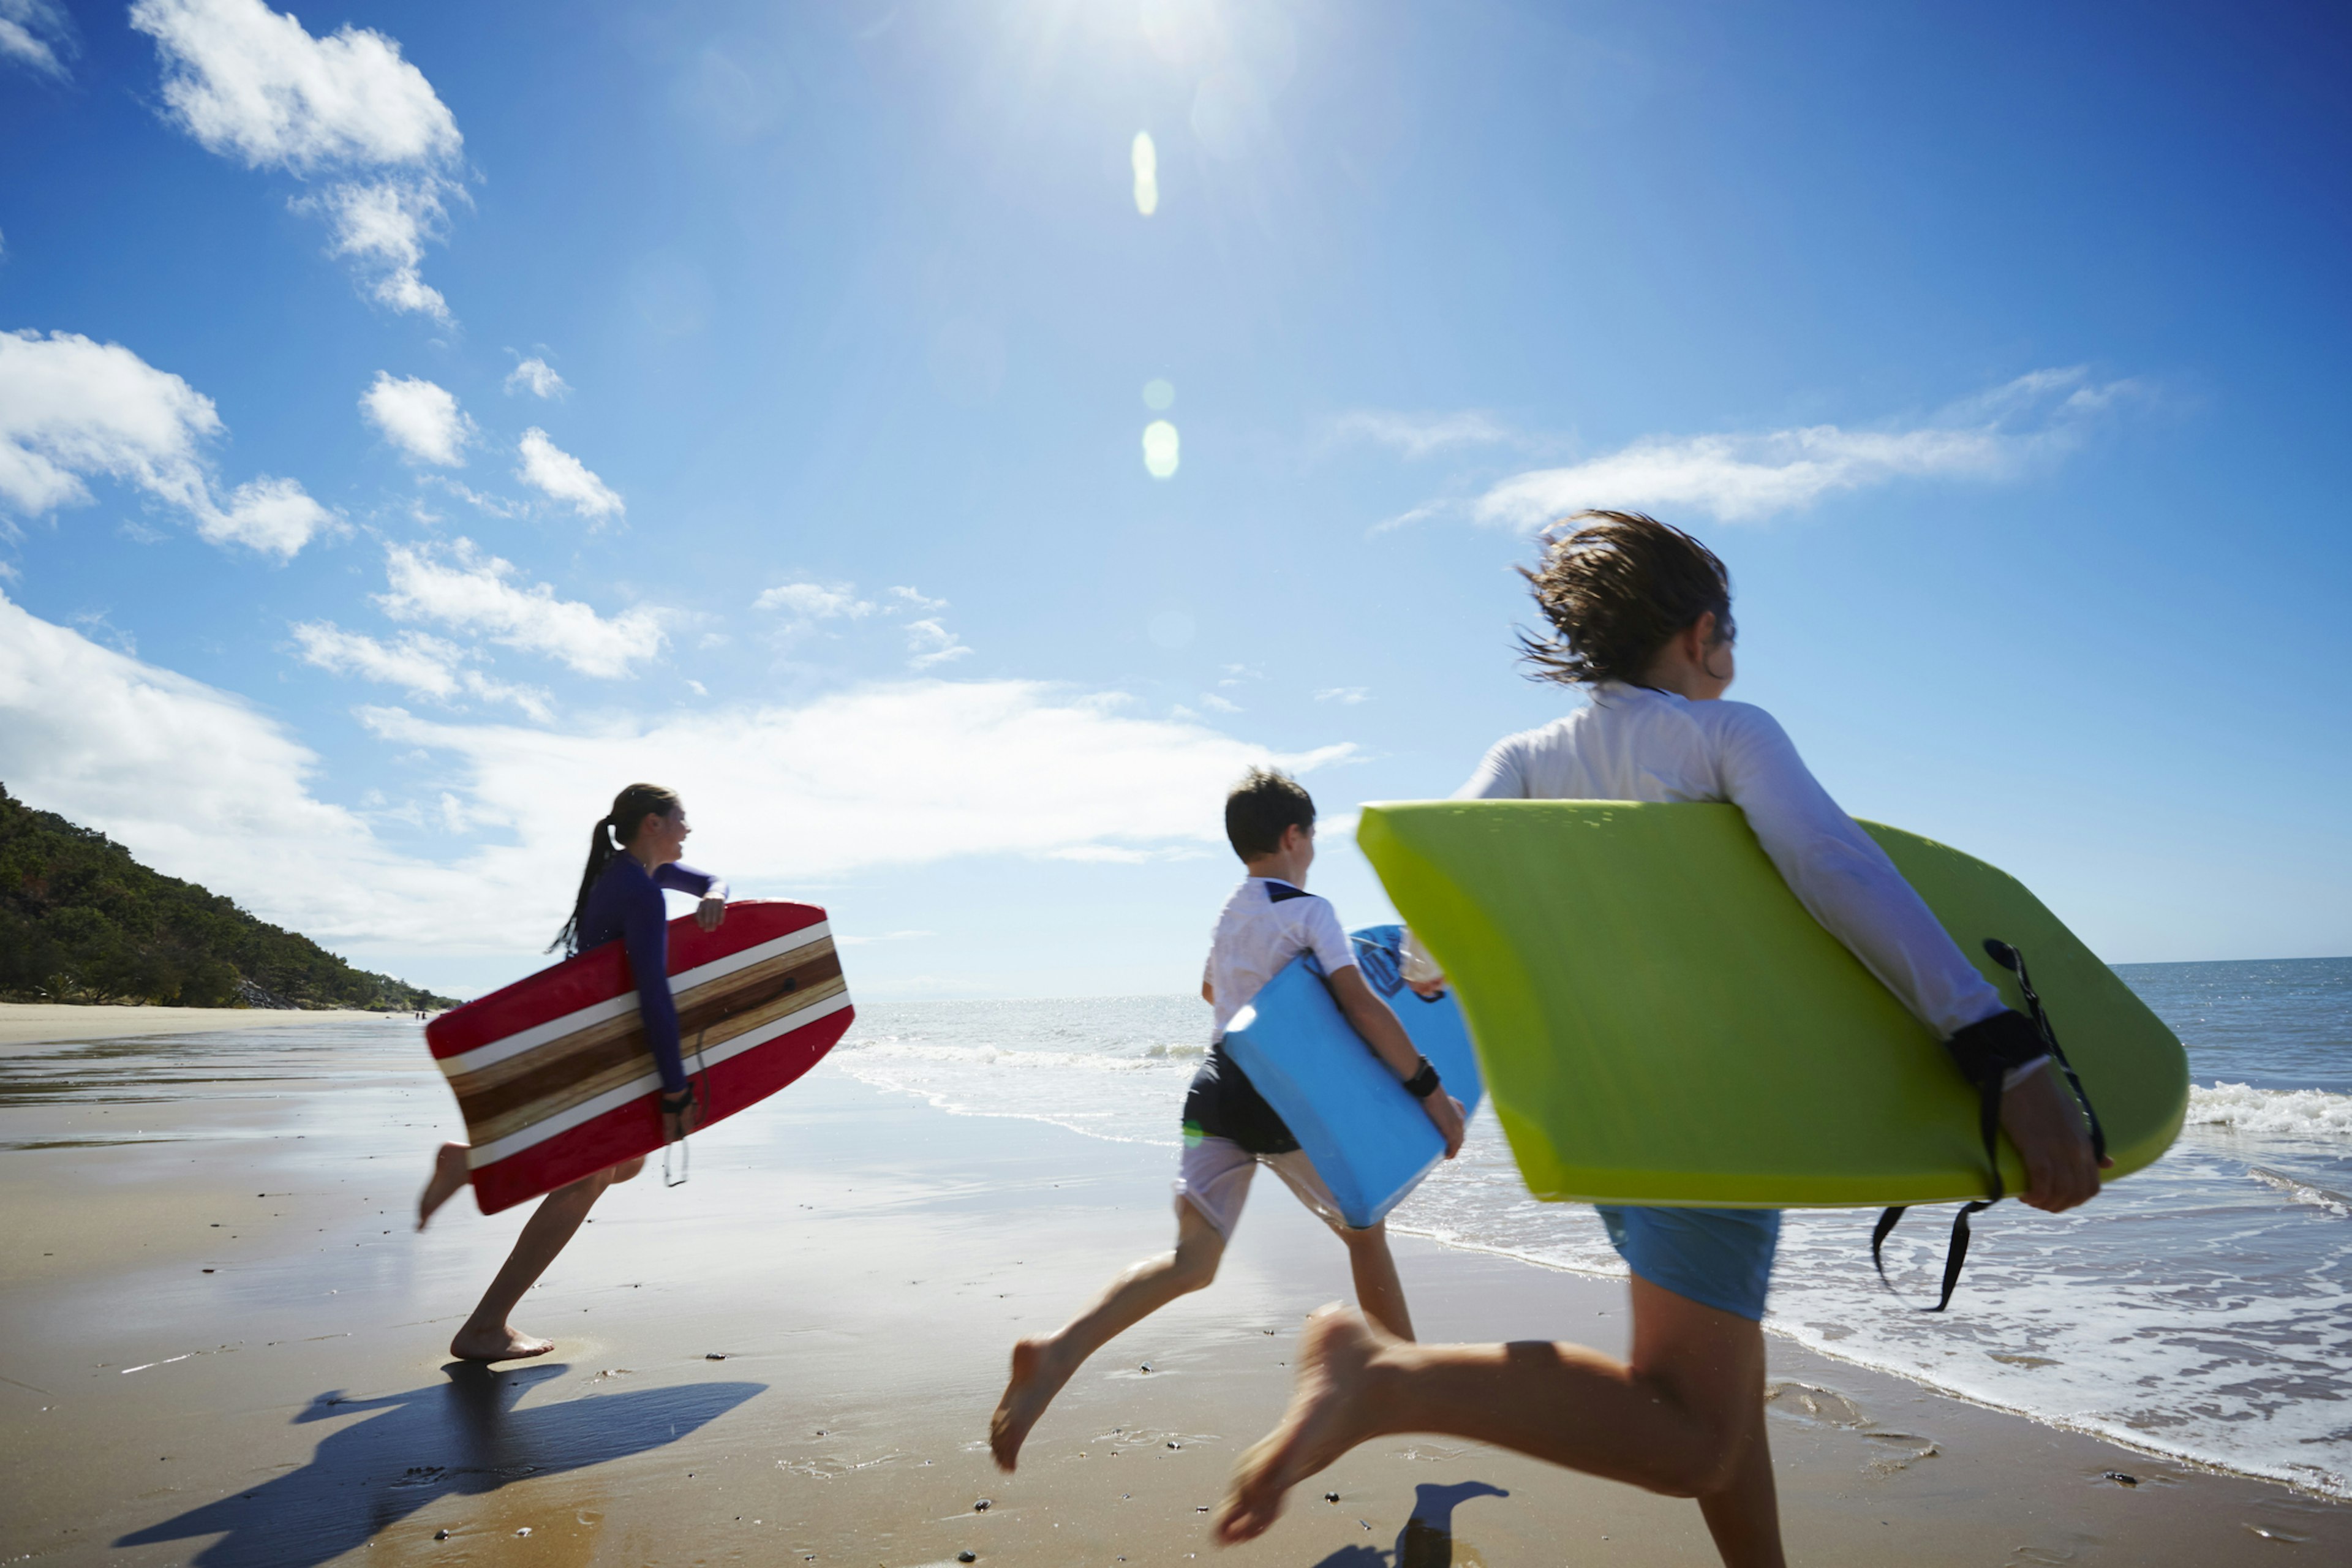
223 1344
23 1024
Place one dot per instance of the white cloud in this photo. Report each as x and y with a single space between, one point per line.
71 408
36 35
538 377
460 586
919 600
250 83
1217 704
201 785
1748 478
273 515
420 418
417 662
1347 696
383 224
1419 435
561 477
814 601
929 643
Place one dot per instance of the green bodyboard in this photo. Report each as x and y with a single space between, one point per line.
1660 1021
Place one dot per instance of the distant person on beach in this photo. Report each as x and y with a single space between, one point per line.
1229 1129
1642 618
633 855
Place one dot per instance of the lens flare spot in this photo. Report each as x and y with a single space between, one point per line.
1146 159
1160 450
1158 392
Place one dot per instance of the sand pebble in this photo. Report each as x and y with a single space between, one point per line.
1175 1444
714 1356
1147 1366
1330 1497
524 1530
2122 1479
967 1556
980 1507
441 1534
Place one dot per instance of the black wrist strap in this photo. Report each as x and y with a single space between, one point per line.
1985 1052
1424 1083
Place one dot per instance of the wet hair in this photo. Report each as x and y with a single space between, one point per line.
607 839
1616 590
1258 808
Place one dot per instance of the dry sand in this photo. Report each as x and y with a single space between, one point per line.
223 1345
23 1024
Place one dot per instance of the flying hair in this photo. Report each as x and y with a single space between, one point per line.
1616 590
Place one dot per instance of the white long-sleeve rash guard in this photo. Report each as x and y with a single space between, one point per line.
1634 744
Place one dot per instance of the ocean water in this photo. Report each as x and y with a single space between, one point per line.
2201 1309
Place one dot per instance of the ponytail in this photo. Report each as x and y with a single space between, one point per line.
609 837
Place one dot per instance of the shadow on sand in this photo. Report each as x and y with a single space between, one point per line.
461 1436
1427 1538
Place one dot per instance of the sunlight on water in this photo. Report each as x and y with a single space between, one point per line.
1160 450
1146 159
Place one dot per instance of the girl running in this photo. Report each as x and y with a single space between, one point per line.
633 855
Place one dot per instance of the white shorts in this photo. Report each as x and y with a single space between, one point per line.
1214 1178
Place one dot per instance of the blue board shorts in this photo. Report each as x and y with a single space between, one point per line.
1718 1257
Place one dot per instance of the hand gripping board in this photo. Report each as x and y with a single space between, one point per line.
554 1076
1661 1022
1368 1138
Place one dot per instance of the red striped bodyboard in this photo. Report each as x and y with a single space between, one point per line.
553 1074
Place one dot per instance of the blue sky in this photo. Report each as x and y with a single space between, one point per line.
421 420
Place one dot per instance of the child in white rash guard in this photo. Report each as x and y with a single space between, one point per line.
1643 617
1229 1129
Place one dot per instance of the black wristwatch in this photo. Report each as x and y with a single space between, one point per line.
677 1102
1424 1083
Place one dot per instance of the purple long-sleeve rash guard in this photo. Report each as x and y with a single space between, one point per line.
627 904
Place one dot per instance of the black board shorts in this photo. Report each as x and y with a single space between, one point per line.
1224 1103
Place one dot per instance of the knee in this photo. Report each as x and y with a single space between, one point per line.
1193 1269
1701 1469
625 1171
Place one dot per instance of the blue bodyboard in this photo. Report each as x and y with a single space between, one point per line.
1368 1138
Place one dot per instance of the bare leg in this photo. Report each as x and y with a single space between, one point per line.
487 1336
1684 1418
1378 1292
1041 1366
449 1174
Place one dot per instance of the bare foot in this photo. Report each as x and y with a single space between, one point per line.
1329 1415
449 1174
500 1343
1036 1378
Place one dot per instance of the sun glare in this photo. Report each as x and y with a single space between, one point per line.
1160 450
1146 159
1159 394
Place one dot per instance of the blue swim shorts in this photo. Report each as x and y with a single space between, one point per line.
1718 1257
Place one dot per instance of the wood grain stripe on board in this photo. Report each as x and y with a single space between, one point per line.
639 1068
717 1013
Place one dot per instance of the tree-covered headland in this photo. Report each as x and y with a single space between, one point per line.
80 921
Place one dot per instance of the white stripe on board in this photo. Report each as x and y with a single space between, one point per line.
537 1035
563 1121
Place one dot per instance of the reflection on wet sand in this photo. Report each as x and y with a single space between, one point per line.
463 1437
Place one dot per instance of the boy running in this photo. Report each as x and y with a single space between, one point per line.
1229 1129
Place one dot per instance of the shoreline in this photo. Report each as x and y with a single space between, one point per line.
30 1023
1927 1386
224 1346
